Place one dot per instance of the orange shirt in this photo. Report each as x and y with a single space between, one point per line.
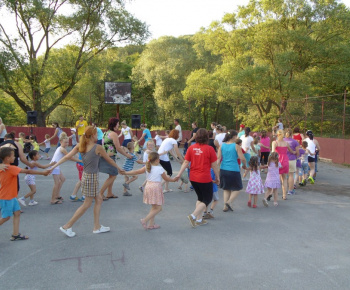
8 182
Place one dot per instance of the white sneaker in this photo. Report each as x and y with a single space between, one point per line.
33 202
68 232
102 229
22 201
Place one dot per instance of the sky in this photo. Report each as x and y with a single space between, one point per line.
182 17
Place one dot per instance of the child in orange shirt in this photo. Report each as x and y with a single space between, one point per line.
8 191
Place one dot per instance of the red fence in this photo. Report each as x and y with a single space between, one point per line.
335 149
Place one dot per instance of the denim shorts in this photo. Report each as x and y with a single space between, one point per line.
8 207
47 150
304 169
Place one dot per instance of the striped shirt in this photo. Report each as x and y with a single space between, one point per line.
129 163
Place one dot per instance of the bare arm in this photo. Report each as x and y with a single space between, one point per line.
22 157
217 145
317 145
193 138
177 151
115 139
183 167
66 157
54 135
253 147
274 145
297 151
167 178
37 164
290 149
219 156
142 137
105 156
136 172
35 172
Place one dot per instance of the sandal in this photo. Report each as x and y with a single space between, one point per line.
60 198
57 202
154 227
19 237
112 196
228 207
143 223
105 198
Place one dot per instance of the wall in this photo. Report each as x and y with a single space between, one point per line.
334 149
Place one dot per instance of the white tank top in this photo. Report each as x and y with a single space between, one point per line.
311 146
57 156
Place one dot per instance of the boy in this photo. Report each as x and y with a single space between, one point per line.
128 166
47 145
8 191
209 214
304 170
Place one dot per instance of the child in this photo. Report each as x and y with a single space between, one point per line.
57 174
30 179
273 181
8 191
91 153
80 167
137 149
304 170
210 214
257 148
158 139
47 146
128 166
153 193
22 139
73 137
185 146
255 185
184 180
36 146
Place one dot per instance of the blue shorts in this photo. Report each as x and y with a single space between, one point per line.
47 150
304 169
126 141
8 207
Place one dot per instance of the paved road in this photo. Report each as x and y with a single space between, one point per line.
301 244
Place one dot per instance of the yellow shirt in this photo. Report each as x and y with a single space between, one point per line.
81 127
36 146
136 147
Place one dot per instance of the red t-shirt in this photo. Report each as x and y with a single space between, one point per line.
201 157
8 182
298 138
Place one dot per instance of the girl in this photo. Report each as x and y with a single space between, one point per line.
127 133
136 145
30 179
91 153
58 132
272 181
255 185
35 144
247 145
153 192
57 174
313 148
47 146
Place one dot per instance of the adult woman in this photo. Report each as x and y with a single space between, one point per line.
281 147
230 175
193 134
264 147
58 132
314 148
297 136
3 131
220 135
127 133
168 145
202 158
247 143
146 134
112 146
294 145
91 153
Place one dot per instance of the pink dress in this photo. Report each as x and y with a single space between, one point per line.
255 184
283 159
273 177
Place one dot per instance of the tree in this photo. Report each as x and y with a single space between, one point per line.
41 26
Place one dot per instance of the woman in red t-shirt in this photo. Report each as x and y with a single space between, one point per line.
297 136
202 158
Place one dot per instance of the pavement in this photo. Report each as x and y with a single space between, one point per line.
301 244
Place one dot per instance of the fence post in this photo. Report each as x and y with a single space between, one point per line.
344 114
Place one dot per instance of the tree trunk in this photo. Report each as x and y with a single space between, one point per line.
41 119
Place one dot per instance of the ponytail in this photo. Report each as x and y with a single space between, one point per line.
89 132
153 156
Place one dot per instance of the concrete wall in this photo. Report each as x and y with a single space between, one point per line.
338 150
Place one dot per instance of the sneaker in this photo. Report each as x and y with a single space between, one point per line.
68 232
289 192
265 202
208 216
269 197
275 203
201 223
48 158
211 215
126 186
102 229
192 221
127 194
82 198
22 201
254 206
33 202
73 198
312 181
301 184
141 189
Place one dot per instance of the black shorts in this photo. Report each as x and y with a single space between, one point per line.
310 159
204 191
167 167
265 156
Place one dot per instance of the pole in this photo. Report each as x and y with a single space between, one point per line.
322 117
118 111
344 114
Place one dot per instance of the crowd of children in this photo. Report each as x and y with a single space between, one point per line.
152 188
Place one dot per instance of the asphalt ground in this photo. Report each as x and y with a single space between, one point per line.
301 244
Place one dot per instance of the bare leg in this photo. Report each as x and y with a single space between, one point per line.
200 208
213 205
290 181
255 199
227 194
155 209
32 191
76 188
3 220
132 179
275 194
16 219
97 210
56 187
234 195
284 185
268 192
62 180
312 169
79 212
109 182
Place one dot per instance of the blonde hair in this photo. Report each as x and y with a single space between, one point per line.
123 123
47 136
130 145
63 136
289 132
89 132
149 142
280 134
21 134
153 156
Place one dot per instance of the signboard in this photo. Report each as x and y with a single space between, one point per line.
118 93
